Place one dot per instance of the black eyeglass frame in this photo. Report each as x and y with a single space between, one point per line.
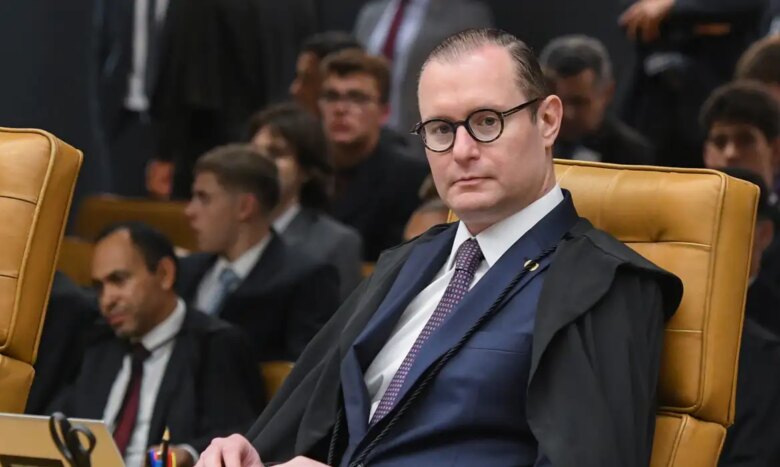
417 130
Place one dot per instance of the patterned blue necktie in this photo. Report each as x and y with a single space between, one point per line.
467 260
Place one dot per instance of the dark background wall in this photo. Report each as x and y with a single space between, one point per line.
44 45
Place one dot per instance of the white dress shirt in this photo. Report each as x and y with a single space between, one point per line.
494 242
412 21
159 342
283 221
242 266
136 99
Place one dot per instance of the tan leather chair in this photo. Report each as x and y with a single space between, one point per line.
274 374
37 176
98 212
75 260
697 224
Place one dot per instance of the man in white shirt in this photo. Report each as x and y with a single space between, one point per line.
158 364
491 341
246 274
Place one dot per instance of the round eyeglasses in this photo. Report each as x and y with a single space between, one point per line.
484 125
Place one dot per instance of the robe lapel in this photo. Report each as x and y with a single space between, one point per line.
416 273
556 310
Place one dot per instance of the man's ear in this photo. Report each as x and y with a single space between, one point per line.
166 273
249 206
549 117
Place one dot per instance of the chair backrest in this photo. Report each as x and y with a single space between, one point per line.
37 177
698 224
98 212
75 260
274 374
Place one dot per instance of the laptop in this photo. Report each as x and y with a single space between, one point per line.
25 441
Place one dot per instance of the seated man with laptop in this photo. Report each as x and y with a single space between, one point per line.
156 363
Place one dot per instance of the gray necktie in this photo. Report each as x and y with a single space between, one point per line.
467 260
228 281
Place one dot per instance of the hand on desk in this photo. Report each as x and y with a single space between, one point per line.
237 451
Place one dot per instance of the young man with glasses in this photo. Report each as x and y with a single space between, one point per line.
377 180
519 336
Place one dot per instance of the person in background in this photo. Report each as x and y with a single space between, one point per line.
295 140
752 439
432 212
305 88
376 179
154 362
245 273
405 32
742 124
684 50
761 62
580 73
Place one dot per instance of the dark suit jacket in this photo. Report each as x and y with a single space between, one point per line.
223 60
616 142
587 404
211 386
331 242
380 196
70 314
286 299
753 439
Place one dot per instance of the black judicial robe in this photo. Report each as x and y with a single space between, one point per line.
591 395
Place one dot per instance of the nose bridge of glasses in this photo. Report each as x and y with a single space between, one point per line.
464 136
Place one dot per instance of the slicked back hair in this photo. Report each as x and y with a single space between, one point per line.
528 72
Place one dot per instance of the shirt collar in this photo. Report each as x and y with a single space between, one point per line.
243 265
285 219
166 330
498 238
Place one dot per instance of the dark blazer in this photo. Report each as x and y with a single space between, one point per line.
380 195
286 299
69 316
211 386
586 403
330 241
753 439
224 60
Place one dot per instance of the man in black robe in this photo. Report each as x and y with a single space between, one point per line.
520 335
